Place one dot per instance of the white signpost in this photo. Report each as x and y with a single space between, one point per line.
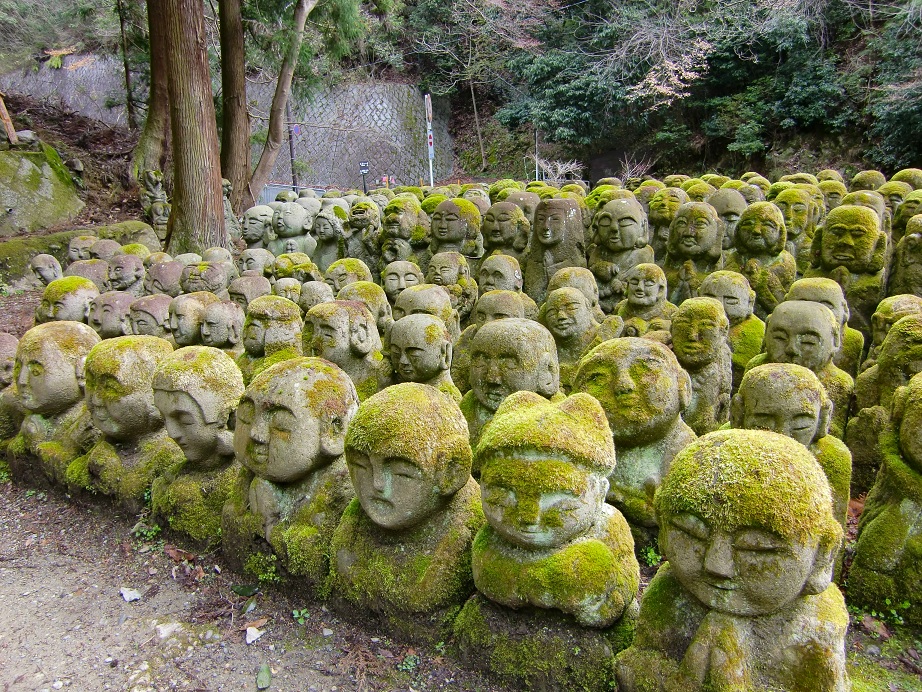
429 141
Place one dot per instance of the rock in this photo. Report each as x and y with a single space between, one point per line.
253 634
37 190
129 594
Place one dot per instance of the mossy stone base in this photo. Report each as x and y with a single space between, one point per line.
241 529
540 649
190 501
45 446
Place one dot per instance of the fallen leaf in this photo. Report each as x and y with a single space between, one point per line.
255 624
263 677
244 590
129 594
178 554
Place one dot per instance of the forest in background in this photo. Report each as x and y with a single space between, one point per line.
651 85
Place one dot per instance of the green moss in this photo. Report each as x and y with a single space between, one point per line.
191 501
58 288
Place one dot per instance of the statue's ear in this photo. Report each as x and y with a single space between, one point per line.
359 338
233 333
446 355
332 435
685 389
80 373
454 474
822 428
737 411
824 562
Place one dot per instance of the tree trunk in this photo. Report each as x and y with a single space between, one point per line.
279 100
483 153
197 218
235 135
154 143
129 97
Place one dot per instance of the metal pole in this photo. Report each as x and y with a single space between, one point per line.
291 146
364 186
431 180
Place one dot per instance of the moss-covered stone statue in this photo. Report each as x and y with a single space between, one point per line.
867 180
695 249
506 229
405 234
827 292
502 273
644 392
345 333
222 327
150 316
256 228
420 351
105 249
186 314
79 248
730 205
134 448
345 271
151 189
288 498
663 207
853 250
789 400
364 241
747 332
313 293
899 359
109 314
96 270
796 207
760 256
568 316
289 288
646 308
399 275
526 201
49 380
163 278
373 297
271 334
402 551
887 568
906 264
512 355
255 261
911 205
455 227
554 568
699 340
247 289
451 271
126 273
66 299
806 333
890 311
331 240
429 299
291 223
45 268
620 242
205 276
745 601
833 192
557 241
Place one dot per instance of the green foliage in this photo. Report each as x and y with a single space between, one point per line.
300 615
143 531
263 567
651 556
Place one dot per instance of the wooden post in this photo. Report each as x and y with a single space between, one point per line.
7 122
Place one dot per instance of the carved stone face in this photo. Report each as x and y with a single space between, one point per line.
730 205
794 412
699 331
247 288
45 381
420 348
515 356
664 205
444 269
398 276
695 232
890 311
499 224
125 271
337 277
526 201
796 207
159 215
324 230
803 333
79 247
497 305
287 288
536 502
145 324
448 226
734 294
567 313
256 260
221 325
290 220
121 409
204 276
759 231
187 425
46 268
316 292
73 305
823 291
331 336
163 277
646 287
499 273
108 314
850 238
621 225
551 222
186 321
639 387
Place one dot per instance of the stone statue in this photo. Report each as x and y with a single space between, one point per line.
730 205
644 392
68 298
887 566
331 241
364 241
872 200
663 207
833 192
373 297
506 229
583 280
313 293
429 299
126 273
890 311
291 223
808 334
104 249
134 448
291 493
256 261
557 242
405 234
789 400
414 497
186 314
257 230
544 477
46 268
288 288
160 218
151 189
502 273
11 413
695 249
345 333
450 270
699 339
346 271
49 380
827 292
196 389
399 275
455 227
479 197
796 206
150 316
79 247
912 205
620 244
271 334
205 276
420 350
155 258
222 327
646 309
745 601
248 288
568 316
906 265
853 250
96 270
760 256
108 314
163 278
187 258
867 180
526 201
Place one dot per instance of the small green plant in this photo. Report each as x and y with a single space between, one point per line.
891 613
263 567
37 494
300 615
651 556
143 531
440 648
409 663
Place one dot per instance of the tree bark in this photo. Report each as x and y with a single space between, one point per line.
197 217
483 153
235 134
154 144
129 97
270 151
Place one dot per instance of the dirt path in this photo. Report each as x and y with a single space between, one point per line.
66 625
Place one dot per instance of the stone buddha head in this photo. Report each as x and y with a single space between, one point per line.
248 288
222 325
291 220
734 293
429 299
833 192
186 315
567 314
164 277
499 273
109 313
802 332
400 275
699 332
126 273
150 316
852 238
420 348
796 206
204 276
340 331
890 311
506 225
256 261
646 287
288 288
68 298
104 249
8 346
621 226
79 247
696 232
497 305
46 268
373 297
272 324
346 271
761 230
730 205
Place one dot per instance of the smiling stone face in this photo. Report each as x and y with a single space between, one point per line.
695 232
851 237
802 332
